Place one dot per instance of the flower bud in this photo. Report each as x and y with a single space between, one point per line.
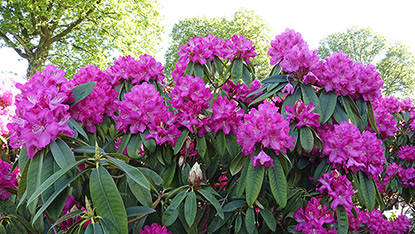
195 176
181 161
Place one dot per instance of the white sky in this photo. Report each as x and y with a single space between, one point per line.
313 19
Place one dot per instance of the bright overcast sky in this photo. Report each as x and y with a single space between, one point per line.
313 19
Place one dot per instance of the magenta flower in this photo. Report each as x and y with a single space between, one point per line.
369 76
8 179
163 129
282 45
239 47
289 89
240 91
312 219
385 123
198 49
339 188
226 115
262 159
302 115
8 92
154 229
407 153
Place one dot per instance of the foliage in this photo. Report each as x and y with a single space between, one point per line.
244 22
394 61
72 34
306 150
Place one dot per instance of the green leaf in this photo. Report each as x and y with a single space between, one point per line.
62 153
107 200
73 124
278 182
363 189
221 142
254 179
82 91
237 163
290 100
124 142
151 175
342 219
237 69
198 70
201 146
67 216
246 77
209 196
268 94
150 144
168 175
131 172
240 186
258 90
328 104
339 114
233 205
141 194
371 117
171 213
34 179
182 138
139 210
250 220
306 139
322 168
23 180
189 68
276 79
218 65
269 219
352 116
309 95
190 208
276 70
238 223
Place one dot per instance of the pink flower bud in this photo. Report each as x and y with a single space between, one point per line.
195 176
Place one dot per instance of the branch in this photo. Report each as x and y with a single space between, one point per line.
13 45
20 40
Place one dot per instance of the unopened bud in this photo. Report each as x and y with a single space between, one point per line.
181 161
195 176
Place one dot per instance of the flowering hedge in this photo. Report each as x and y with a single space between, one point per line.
313 148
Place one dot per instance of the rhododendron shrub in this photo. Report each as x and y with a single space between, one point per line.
210 148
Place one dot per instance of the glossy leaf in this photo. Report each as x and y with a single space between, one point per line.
132 172
237 68
34 179
328 104
190 208
211 198
290 100
250 220
342 219
62 153
237 163
306 139
253 184
141 194
276 79
269 219
268 94
233 205
198 70
221 142
82 91
246 77
182 138
134 146
201 146
139 210
309 95
171 213
278 182
168 174
371 117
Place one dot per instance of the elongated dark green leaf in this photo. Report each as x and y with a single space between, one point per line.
62 153
221 142
150 144
233 205
168 175
23 180
309 95
268 94
124 142
131 172
190 208
368 189
151 175
218 65
276 79
246 77
82 91
34 179
306 139
328 104
198 70
182 138
189 68
237 68
349 111
339 114
106 199
254 179
290 101
363 189
240 187
141 194
69 215
278 182
51 180
171 213
379 198
342 219
237 163
322 168
269 219
371 117
88 149
73 124
258 90
353 106
250 220
276 70
238 223
133 147
212 199
139 210
201 146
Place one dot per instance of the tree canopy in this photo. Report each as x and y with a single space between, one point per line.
394 61
71 34
244 22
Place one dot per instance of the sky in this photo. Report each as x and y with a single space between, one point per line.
313 19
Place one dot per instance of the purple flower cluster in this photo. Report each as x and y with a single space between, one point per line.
385 122
226 115
137 70
353 151
240 91
189 97
341 74
338 187
407 176
42 110
239 47
407 153
312 219
102 100
266 126
375 223
8 92
262 159
8 179
198 49
154 229
302 115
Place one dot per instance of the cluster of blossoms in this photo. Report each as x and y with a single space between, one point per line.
8 179
375 222
154 229
385 122
262 159
407 176
312 219
189 98
42 110
302 115
393 105
8 92
266 126
127 67
338 187
226 115
144 107
407 153
293 55
240 91
102 100
353 151
345 77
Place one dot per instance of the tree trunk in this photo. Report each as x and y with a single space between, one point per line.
37 61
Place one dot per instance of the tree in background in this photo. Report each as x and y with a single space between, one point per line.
394 61
71 34
244 22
